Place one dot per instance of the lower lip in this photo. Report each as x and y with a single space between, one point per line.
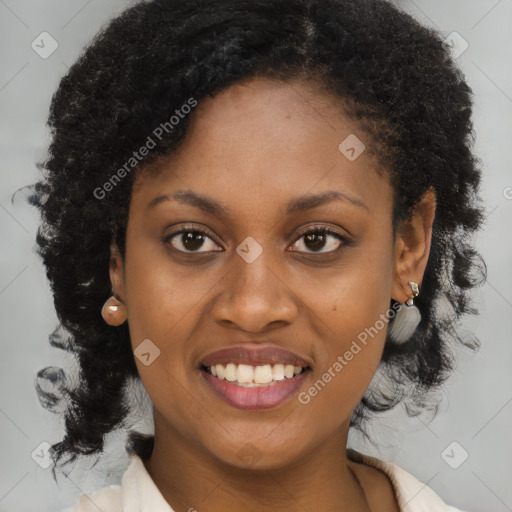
257 398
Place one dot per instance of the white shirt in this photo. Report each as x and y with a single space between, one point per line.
138 493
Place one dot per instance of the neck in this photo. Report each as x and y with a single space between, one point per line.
191 478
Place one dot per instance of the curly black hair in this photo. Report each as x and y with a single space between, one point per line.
398 83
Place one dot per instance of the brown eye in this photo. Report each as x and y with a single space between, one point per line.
314 241
191 241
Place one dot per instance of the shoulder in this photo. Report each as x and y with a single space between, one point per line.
137 491
107 499
411 494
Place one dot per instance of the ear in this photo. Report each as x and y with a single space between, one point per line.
412 247
116 271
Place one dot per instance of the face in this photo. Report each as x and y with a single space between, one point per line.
247 270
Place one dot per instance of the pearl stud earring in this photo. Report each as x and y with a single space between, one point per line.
407 318
113 311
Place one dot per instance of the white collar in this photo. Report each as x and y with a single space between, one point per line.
138 490
140 494
411 494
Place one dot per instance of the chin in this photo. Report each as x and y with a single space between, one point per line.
260 454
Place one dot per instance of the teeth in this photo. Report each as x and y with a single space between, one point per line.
249 376
288 371
230 372
244 373
278 372
263 374
221 372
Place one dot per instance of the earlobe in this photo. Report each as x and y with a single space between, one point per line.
114 310
412 246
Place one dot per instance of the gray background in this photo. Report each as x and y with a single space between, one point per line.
476 409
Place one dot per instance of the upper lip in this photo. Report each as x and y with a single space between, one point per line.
256 355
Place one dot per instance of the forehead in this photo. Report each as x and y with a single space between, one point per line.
265 140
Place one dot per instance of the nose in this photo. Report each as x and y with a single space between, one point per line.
255 297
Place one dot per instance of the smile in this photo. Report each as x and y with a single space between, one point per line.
254 376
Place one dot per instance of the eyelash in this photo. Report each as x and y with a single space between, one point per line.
310 231
345 241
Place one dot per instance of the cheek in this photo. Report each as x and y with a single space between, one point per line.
156 303
160 308
351 307
162 296
351 299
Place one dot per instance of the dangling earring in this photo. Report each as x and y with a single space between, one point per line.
113 311
407 318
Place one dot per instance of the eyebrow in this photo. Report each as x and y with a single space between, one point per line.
214 207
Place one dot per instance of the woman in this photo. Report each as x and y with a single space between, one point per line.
261 210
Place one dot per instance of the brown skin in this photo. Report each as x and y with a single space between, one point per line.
254 147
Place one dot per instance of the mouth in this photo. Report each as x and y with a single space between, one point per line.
254 378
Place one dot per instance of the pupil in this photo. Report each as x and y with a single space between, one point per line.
315 241
192 240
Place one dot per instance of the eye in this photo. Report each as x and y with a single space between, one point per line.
190 241
319 238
